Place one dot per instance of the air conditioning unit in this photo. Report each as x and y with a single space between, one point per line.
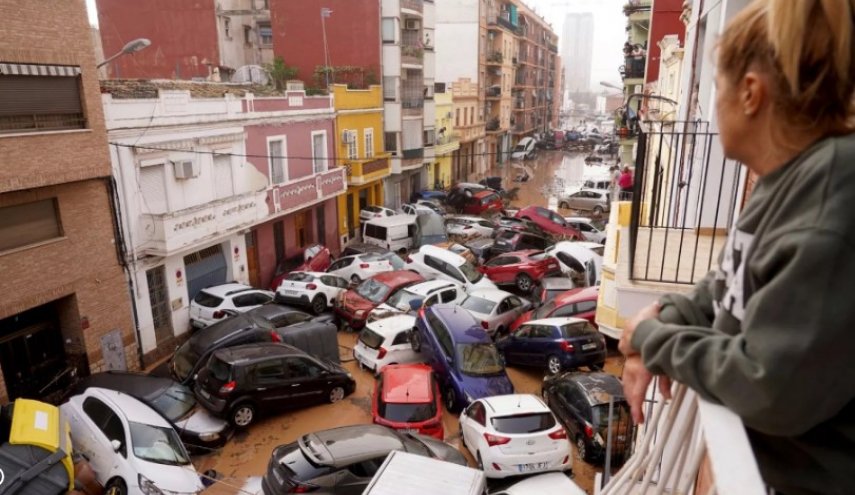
411 24
348 137
185 169
277 205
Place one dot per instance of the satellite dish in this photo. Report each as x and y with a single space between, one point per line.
253 74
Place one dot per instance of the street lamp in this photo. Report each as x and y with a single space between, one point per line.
132 46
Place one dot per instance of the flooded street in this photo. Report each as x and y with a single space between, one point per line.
245 458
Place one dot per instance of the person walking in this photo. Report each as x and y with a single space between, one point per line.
768 334
625 183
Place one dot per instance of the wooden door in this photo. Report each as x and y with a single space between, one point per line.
252 259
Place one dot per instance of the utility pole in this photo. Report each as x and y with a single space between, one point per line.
325 12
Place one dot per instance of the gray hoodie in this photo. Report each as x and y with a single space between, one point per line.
781 349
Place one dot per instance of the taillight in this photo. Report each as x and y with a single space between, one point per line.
567 346
559 434
228 388
274 337
485 325
493 440
408 259
589 430
311 287
381 352
363 265
303 488
219 314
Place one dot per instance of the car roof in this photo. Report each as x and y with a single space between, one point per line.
407 384
522 253
443 254
575 249
133 409
222 330
596 190
578 294
599 387
483 194
345 445
392 221
470 218
556 322
314 274
546 484
396 278
146 387
271 310
461 325
494 295
391 326
425 288
557 283
578 219
240 354
506 405
226 289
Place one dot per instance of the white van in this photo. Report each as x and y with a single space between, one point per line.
403 473
393 233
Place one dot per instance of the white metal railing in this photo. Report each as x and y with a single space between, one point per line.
679 435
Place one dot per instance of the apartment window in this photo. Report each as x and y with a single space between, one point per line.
319 150
390 90
387 28
153 188
227 27
350 143
276 158
223 181
38 98
390 141
430 137
368 135
29 223
265 33
247 35
279 241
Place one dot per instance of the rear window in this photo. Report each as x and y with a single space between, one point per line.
406 413
373 209
577 329
478 305
370 338
375 231
207 300
524 423
300 277
219 369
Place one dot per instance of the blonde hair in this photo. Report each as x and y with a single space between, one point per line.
806 47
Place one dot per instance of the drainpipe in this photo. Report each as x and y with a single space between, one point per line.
691 96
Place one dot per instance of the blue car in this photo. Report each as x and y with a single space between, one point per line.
555 344
428 194
462 356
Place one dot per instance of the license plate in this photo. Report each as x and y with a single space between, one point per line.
205 393
535 466
588 347
291 292
409 430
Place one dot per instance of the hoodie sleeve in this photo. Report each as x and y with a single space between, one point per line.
674 308
790 367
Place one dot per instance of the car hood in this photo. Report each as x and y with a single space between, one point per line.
201 421
486 386
484 283
353 302
170 479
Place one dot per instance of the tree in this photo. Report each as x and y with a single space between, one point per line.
280 72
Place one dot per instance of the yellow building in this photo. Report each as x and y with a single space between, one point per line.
446 141
359 147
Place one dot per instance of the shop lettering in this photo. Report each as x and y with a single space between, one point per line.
193 222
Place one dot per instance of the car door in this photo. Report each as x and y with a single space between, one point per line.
515 350
509 310
452 295
307 380
102 425
333 286
269 384
473 424
499 269
541 344
342 267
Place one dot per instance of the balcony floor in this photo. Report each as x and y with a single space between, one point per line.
675 255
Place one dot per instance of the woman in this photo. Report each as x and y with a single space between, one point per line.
770 334
625 183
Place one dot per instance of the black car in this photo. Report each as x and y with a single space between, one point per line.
518 224
581 403
511 240
342 461
199 430
268 323
239 383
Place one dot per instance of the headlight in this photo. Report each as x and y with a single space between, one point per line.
148 487
209 437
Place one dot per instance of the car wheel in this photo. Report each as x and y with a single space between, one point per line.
415 340
116 487
582 449
564 205
354 279
524 282
450 399
335 395
319 304
598 211
243 415
553 365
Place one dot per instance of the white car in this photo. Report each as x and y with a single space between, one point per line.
421 208
212 304
358 267
589 232
468 227
424 293
596 201
579 258
542 484
131 447
385 342
370 212
317 290
433 262
510 435
496 309
524 149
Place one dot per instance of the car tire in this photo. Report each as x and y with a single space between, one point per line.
524 282
335 394
598 211
450 399
582 449
242 415
116 486
564 205
415 340
319 304
354 279
553 365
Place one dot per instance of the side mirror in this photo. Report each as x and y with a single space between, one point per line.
116 445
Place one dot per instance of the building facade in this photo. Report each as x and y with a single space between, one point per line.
577 50
468 161
65 305
447 140
190 39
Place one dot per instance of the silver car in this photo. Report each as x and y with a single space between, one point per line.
495 309
596 201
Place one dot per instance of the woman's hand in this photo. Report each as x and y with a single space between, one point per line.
625 344
636 379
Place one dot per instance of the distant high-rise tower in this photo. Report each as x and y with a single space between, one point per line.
576 51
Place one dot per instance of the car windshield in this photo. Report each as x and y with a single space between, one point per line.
553 293
393 259
373 290
406 413
157 444
402 300
184 360
479 359
478 305
520 147
470 272
579 329
207 300
543 311
524 423
175 402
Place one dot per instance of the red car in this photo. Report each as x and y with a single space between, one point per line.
315 258
551 222
481 202
522 268
354 305
407 397
578 303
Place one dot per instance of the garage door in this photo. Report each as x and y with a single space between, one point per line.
205 268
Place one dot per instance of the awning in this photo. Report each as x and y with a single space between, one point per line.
39 70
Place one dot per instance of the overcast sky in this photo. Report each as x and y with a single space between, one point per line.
609 33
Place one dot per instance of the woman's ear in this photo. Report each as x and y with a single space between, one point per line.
752 93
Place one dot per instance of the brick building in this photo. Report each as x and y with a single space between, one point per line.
65 300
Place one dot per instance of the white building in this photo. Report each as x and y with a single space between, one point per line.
577 49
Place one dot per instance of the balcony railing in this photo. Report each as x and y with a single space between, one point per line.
41 122
361 172
634 68
413 153
493 124
416 5
685 197
495 58
412 103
